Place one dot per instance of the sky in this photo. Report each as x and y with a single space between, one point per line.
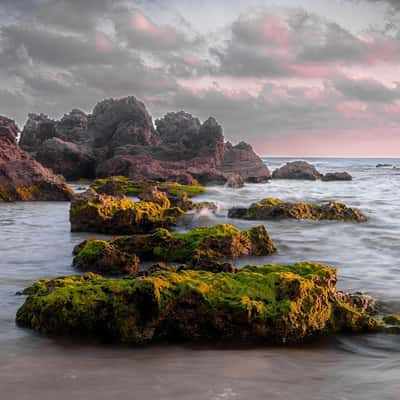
296 78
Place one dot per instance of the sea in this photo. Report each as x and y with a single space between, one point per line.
36 242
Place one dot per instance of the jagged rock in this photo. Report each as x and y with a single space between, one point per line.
297 170
276 209
201 248
242 160
23 178
121 138
360 301
93 212
336 176
272 304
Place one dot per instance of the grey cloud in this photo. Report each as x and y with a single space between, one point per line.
367 90
56 49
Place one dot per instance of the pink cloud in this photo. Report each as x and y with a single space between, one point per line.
276 31
352 109
103 43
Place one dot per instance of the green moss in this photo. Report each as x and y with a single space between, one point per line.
124 185
199 245
93 248
107 214
391 319
271 304
272 208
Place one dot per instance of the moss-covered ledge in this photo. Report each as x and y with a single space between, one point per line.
272 304
92 212
204 247
271 208
121 185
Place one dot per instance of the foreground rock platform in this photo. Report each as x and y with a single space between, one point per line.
272 304
203 248
93 212
21 177
271 208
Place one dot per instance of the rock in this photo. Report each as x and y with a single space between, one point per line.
384 165
152 194
392 320
360 301
67 158
119 138
297 170
23 178
242 160
271 208
93 212
272 304
120 122
336 176
201 248
101 256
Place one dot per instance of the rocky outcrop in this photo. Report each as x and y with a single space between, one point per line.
242 160
119 138
93 212
21 177
297 170
336 176
204 248
277 209
272 304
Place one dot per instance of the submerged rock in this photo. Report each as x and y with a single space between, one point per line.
203 247
272 304
23 178
93 212
336 176
392 319
297 170
384 165
276 209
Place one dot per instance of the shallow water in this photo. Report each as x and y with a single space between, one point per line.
35 242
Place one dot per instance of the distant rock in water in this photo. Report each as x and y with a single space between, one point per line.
119 138
277 209
336 176
384 165
297 170
21 177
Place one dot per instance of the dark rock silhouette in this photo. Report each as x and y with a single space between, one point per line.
119 138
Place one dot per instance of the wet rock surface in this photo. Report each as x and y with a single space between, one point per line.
23 178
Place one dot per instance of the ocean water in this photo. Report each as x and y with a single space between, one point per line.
36 242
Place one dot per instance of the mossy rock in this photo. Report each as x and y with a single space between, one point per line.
121 185
272 304
91 212
271 208
101 256
392 319
203 247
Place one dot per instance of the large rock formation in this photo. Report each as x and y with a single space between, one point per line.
297 170
272 304
21 177
119 138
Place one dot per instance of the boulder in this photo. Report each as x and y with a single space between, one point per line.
297 170
336 176
203 248
67 158
93 212
271 304
23 178
242 160
271 208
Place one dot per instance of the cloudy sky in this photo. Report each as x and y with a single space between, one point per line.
291 77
